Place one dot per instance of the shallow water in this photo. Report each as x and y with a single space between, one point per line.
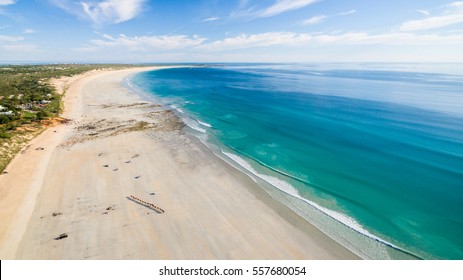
371 154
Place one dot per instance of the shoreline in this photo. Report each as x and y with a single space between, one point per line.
213 211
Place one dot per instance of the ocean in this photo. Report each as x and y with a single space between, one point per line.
371 154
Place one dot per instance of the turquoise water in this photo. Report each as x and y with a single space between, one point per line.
372 154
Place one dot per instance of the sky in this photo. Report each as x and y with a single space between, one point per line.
150 31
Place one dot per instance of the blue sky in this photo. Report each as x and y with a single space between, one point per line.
231 31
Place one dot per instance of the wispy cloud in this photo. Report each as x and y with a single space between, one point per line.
210 19
147 43
103 12
7 2
16 44
458 4
282 6
322 18
314 20
275 46
269 39
29 31
353 11
278 7
424 12
453 14
4 38
20 48
391 39
113 11
3 12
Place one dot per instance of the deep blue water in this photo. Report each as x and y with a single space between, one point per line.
376 148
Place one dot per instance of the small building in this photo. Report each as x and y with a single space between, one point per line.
7 113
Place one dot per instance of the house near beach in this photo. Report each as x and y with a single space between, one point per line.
7 113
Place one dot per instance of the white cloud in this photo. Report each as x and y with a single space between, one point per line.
20 48
321 18
314 20
16 44
353 11
282 6
256 40
29 31
114 11
4 38
458 4
7 2
86 48
451 16
391 39
269 39
210 19
280 46
101 12
424 12
432 22
146 43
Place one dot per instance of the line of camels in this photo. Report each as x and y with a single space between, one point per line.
156 208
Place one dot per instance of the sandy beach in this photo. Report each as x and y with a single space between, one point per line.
68 194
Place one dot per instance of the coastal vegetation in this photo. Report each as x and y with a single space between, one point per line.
29 102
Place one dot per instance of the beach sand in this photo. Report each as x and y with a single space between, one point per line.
71 199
